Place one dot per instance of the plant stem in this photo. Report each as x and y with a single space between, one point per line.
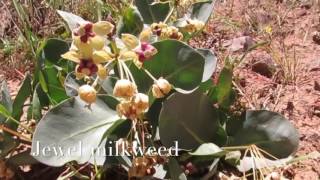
2 127
233 148
149 74
127 70
169 15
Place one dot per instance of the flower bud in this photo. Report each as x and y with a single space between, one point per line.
87 93
124 88
102 72
145 35
145 51
130 40
103 28
160 88
141 102
126 109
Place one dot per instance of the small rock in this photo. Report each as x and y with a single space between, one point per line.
316 86
316 37
240 43
301 12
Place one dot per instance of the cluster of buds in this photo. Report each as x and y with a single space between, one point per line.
166 32
144 166
136 50
161 87
192 25
133 104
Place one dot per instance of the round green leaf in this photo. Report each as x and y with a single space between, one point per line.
268 130
71 126
189 119
175 61
208 149
152 11
201 10
210 63
131 22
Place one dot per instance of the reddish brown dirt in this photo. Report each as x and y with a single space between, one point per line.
291 90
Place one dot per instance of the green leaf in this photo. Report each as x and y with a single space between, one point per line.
131 22
111 101
189 119
53 50
210 63
269 131
43 82
56 91
22 159
36 107
175 170
152 11
71 125
201 10
223 93
7 143
175 61
23 94
72 20
5 98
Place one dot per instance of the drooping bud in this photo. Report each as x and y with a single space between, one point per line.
141 102
160 88
102 72
126 109
87 93
124 88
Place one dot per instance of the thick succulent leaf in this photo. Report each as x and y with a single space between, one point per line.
208 150
269 131
131 22
108 84
175 61
72 20
189 119
201 10
152 11
69 125
71 85
175 170
210 63
53 49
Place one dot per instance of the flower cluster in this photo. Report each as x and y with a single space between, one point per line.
163 31
93 49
